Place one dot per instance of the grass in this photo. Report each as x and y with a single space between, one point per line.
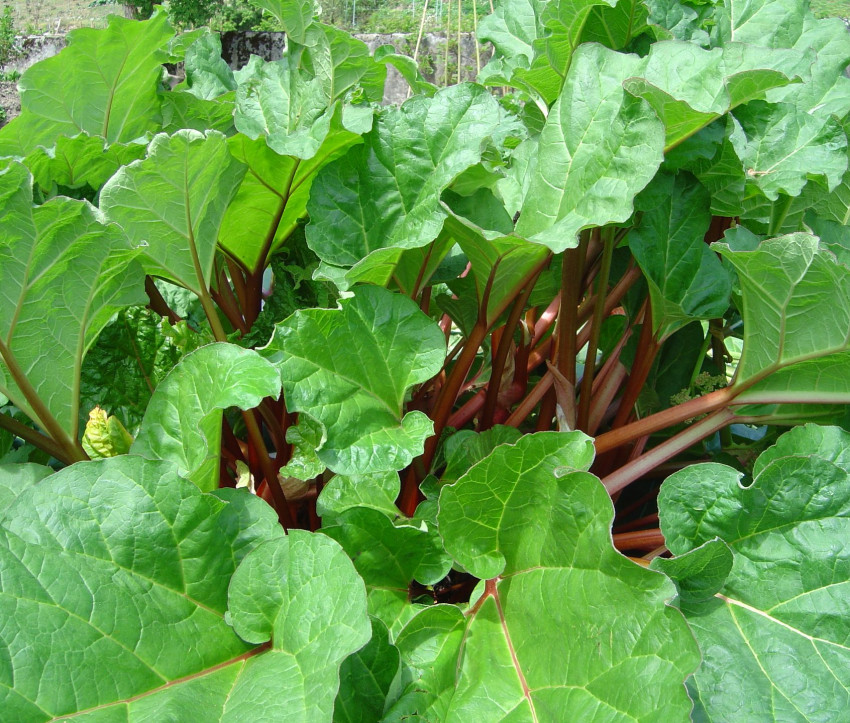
831 8
39 16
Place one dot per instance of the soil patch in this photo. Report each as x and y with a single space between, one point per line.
10 101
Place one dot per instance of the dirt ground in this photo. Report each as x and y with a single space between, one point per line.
10 101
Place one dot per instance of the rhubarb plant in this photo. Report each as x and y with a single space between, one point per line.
316 408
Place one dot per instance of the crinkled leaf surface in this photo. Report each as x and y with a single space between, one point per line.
349 368
775 638
80 161
599 147
208 76
294 16
386 192
131 356
534 41
103 83
63 274
15 478
389 556
182 423
783 146
565 627
686 280
107 611
378 491
302 593
173 202
689 87
793 351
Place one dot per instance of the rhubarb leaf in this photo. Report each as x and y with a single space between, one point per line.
792 352
182 423
104 83
385 193
686 280
599 147
781 616
280 586
294 17
173 201
273 194
366 679
137 612
350 368
532 522
63 274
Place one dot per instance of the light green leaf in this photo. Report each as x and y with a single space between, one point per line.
686 280
173 201
208 76
466 448
616 27
689 87
366 679
793 352
273 194
63 274
782 614
135 611
294 16
305 437
531 521
349 368
534 43
599 147
343 64
278 101
302 593
407 67
104 83
782 147
389 557
15 478
429 645
774 24
699 573
385 193
105 436
500 265
80 161
181 110
182 423
377 491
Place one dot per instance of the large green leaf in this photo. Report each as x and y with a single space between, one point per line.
15 478
273 194
63 274
686 280
103 83
534 41
389 556
566 628
208 76
386 192
366 679
350 368
173 202
783 146
774 638
302 593
689 87
793 351
182 423
294 16
599 147
501 265
113 613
